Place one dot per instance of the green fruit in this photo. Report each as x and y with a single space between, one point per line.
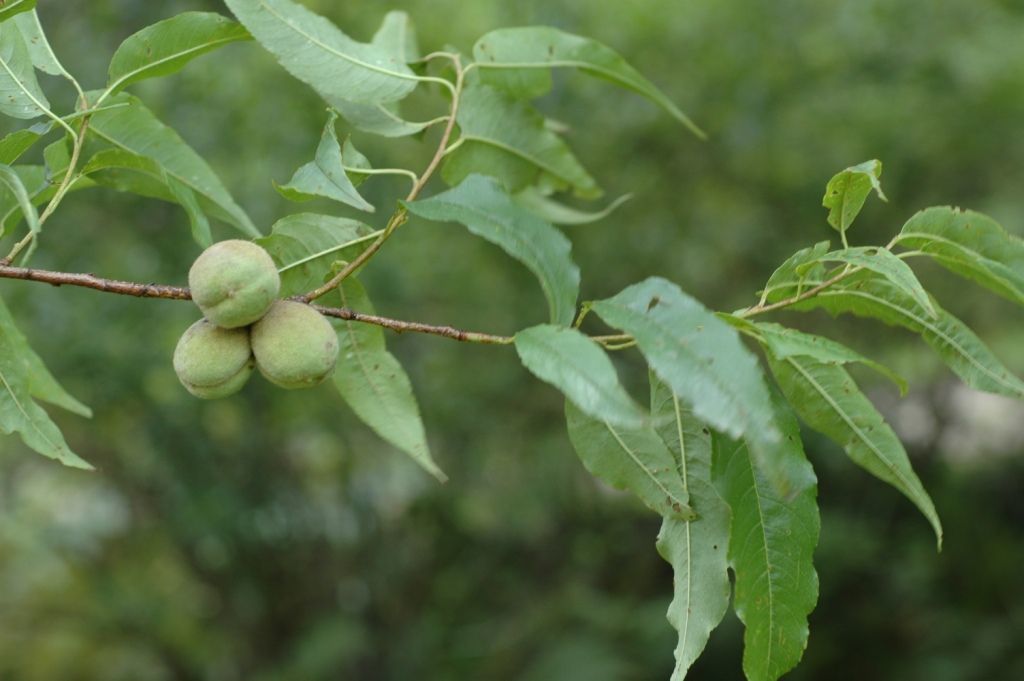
234 283
212 362
294 345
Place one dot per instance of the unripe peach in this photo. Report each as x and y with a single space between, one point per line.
211 361
294 345
234 283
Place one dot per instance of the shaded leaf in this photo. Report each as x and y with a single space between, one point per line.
397 37
11 182
23 376
771 550
20 94
630 459
697 549
167 46
186 198
316 52
560 214
133 128
378 119
13 145
375 385
804 265
487 211
39 49
580 368
519 61
825 396
970 244
305 246
846 192
13 7
325 175
883 262
507 139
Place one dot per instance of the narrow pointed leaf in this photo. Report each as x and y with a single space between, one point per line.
561 214
378 119
39 49
804 265
958 346
970 244
883 262
316 52
11 183
20 94
508 139
829 401
13 145
325 175
167 46
846 192
771 551
305 246
629 459
576 365
698 355
197 220
519 60
23 376
133 128
397 37
375 385
697 549
487 211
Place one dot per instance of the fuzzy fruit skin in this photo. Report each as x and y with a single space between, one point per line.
294 345
234 283
213 362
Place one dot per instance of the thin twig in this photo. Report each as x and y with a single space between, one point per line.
165 292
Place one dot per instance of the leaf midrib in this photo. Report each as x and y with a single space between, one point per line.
112 88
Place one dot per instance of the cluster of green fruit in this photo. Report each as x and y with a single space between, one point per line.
236 285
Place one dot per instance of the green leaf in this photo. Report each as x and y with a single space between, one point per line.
771 550
397 37
354 161
519 61
883 262
785 342
969 244
20 94
39 49
487 211
629 459
697 549
167 46
825 396
197 220
802 266
378 119
316 52
698 355
507 139
133 128
23 376
958 346
375 385
558 213
846 192
305 246
13 7
578 367
10 180
325 175
13 145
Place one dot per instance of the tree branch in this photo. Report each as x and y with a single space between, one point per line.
163 291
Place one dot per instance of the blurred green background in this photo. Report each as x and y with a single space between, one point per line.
271 536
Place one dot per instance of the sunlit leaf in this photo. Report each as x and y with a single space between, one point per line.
487 211
20 94
316 52
133 128
577 366
375 385
167 46
519 60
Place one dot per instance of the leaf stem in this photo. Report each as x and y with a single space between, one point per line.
401 215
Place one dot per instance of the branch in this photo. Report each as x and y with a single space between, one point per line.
139 290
